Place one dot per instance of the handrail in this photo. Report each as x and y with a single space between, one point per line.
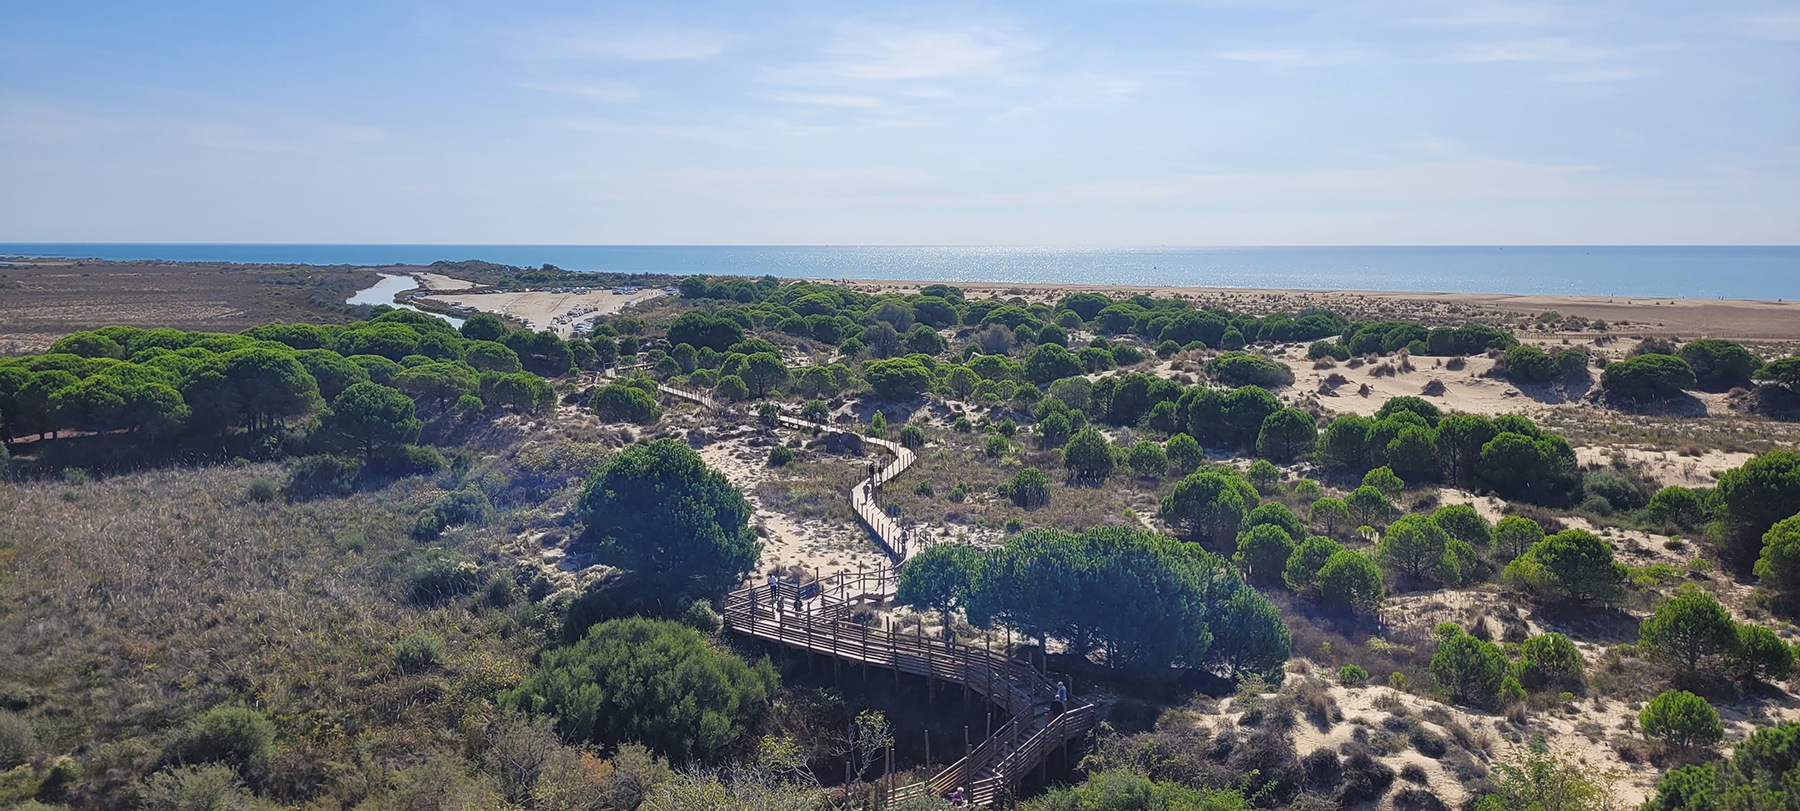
823 623
824 626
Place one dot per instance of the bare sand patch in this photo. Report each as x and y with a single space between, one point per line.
547 309
439 282
1671 468
1361 387
811 544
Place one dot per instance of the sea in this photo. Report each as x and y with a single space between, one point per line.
1732 272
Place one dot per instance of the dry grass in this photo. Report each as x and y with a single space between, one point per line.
135 601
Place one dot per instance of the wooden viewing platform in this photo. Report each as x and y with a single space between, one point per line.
827 623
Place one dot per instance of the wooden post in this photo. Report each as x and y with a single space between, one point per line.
965 676
928 749
968 773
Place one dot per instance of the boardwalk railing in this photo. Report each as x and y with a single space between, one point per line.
825 618
888 532
822 617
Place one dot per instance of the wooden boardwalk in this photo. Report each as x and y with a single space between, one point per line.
829 621
830 617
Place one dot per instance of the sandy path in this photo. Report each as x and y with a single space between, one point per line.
819 546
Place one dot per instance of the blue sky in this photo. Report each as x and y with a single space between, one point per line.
1056 122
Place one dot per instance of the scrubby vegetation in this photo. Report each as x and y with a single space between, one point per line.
391 564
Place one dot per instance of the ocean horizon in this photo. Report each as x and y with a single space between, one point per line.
1733 272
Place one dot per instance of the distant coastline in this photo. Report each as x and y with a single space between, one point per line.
1709 272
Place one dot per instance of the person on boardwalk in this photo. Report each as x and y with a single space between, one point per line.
774 593
957 798
1062 697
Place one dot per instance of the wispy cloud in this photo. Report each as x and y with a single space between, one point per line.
1545 49
1583 75
1468 180
826 99
1498 13
640 45
1783 26
887 53
1290 57
607 91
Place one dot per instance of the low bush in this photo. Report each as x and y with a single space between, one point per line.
316 477
780 456
238 737
437 575
419 652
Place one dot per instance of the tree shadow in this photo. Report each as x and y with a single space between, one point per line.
1681 405
1589 623
1558 390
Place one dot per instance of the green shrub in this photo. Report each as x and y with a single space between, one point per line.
56 786
316 477
996 446
1681 719
1464 524
192 788
700 616
419 652
1760 774
1088 455
437 575
675 524
1619 491
1647 377
1574 565
1029 488
400 461
650 681
1527 364
1352 676
1148 460
1692 632
1263 475
454 509
262 491
1240 369
17 740
1760 655
1778 567
1511 691
1302 569
238 737
780 456
1681 506
1471 669
1546 660
912 437
1350 581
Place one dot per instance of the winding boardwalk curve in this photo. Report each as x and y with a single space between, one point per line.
830 617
